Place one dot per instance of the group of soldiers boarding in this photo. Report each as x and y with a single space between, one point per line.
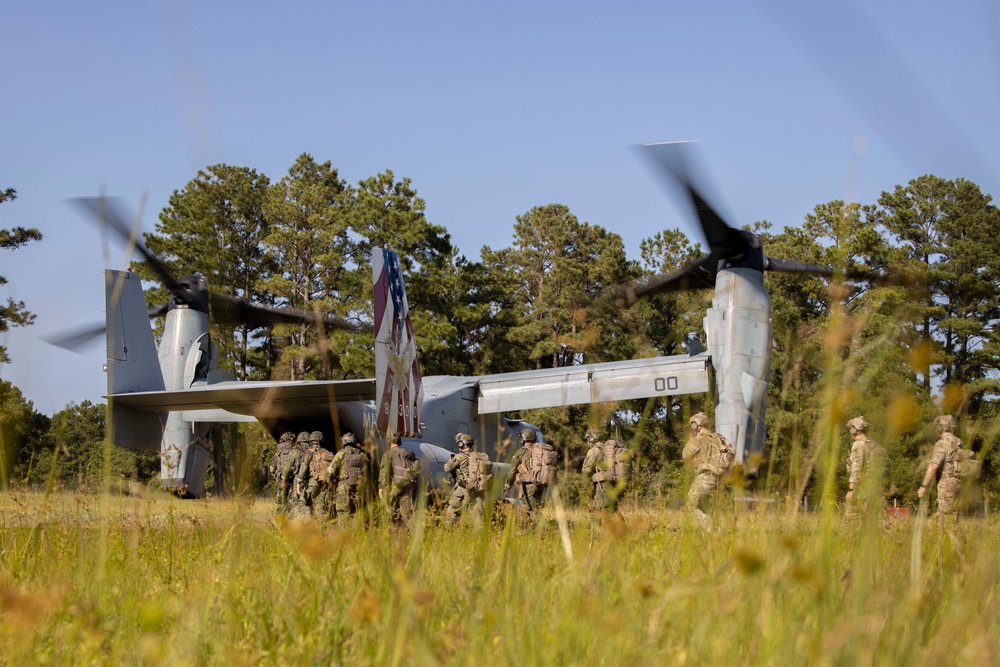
312 481
308 476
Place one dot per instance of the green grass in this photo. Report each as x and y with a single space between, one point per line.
155 580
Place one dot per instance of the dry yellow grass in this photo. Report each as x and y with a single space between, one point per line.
154 580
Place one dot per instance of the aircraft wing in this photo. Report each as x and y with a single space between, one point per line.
254 399
595 383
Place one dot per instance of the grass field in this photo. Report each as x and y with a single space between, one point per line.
108 579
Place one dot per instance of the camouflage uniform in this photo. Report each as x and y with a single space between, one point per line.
276 470
296 505
866 466
463 498
943 459
348 496
317 490
398 490
595 455
533 493
607 494
702 453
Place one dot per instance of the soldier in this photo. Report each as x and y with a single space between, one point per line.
318 484
709 455
349 468
296 503
472 473
944 458
399 477
532 468
609 465
866 467
277 468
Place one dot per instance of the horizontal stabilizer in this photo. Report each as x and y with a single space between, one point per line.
265 400
214 416
594 383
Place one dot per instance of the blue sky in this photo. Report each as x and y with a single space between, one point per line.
490 109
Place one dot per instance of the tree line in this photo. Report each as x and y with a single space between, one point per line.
917 339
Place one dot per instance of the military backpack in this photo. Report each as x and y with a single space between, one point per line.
616 462
319 464
480 472
354 466
281 456
721 454
966 465
404 467
540 466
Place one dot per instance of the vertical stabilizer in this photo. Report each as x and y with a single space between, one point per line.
132 361
397 373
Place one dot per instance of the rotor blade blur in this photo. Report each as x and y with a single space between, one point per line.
233 310
698 274
845 44
669 160
77 337
792 266
107 209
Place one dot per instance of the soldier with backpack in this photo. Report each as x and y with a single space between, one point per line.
609 465
399 477
349 469
533 468
472 474
317 486
295 504
866 467
948 459
277 468
709 455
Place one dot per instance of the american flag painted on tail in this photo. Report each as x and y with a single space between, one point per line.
397 374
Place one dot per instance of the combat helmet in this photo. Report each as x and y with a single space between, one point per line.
464 440
857 425
348 439
287 436
303 437
593 436
527 435
945 423
317 436
699 418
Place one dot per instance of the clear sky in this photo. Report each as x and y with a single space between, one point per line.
490 109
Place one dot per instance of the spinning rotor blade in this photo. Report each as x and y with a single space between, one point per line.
792 266
225 308
728 246
698 274
668 158
106 210
233 310
78 337
75 338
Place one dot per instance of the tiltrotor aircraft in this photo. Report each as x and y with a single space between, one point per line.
166 398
